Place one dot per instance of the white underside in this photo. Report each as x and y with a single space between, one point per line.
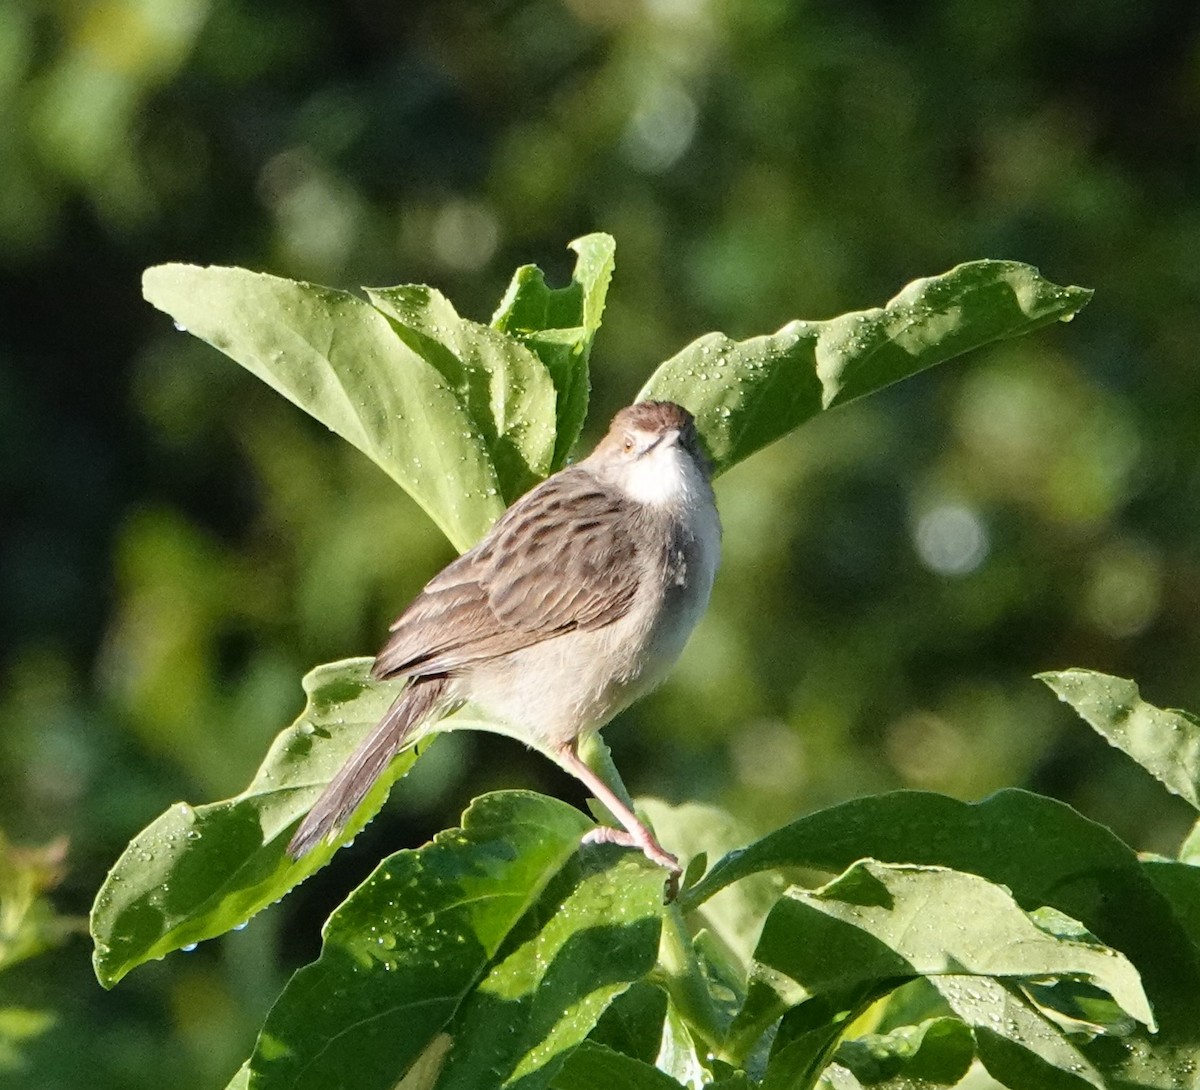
564 687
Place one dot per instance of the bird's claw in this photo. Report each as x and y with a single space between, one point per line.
649 847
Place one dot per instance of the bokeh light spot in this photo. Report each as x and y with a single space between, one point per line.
465 235
951 539
660 129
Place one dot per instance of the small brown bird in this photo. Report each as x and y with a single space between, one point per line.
577 602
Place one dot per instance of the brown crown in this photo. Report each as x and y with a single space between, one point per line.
655 416
663 416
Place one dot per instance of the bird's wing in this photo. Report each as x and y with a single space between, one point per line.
561 558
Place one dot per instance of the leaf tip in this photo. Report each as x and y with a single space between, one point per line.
1077 298
106 978
600 239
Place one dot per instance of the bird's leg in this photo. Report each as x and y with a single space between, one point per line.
635 834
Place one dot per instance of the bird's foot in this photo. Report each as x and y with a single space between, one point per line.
649 847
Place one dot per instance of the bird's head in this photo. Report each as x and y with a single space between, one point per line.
652 452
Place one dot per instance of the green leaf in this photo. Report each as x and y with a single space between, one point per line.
1165 743
1047 854
808 1036
559 325
1042 850
1076 1005
837 1077
498 944
594 1067
633 1022
595 932
682 1055
878 925
339 359
746 394
197 872
505 389
1140 1062
1179 883
1018 1044
935 1053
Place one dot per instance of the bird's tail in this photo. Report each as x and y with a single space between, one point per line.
364 766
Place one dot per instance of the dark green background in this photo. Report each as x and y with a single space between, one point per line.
179 544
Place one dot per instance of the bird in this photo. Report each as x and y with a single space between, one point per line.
577 602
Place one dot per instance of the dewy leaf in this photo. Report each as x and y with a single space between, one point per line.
412 942
594 932
1042 850
878 925
559 326
1165 743
339 359
1017 1044
505 389
197 872
746 394
408 945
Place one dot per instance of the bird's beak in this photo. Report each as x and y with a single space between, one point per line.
667 438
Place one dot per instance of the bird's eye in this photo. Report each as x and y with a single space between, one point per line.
628 445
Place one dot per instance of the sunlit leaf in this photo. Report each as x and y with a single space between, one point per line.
559 325
808 1035
339 359
1047 854
479 943
1189 850
1041 849
1165 743
878 925
595 931
682 1056
505 389
196 872
746 394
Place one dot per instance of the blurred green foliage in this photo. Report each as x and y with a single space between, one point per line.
178 544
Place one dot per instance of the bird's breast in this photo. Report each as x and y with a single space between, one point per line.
689 567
